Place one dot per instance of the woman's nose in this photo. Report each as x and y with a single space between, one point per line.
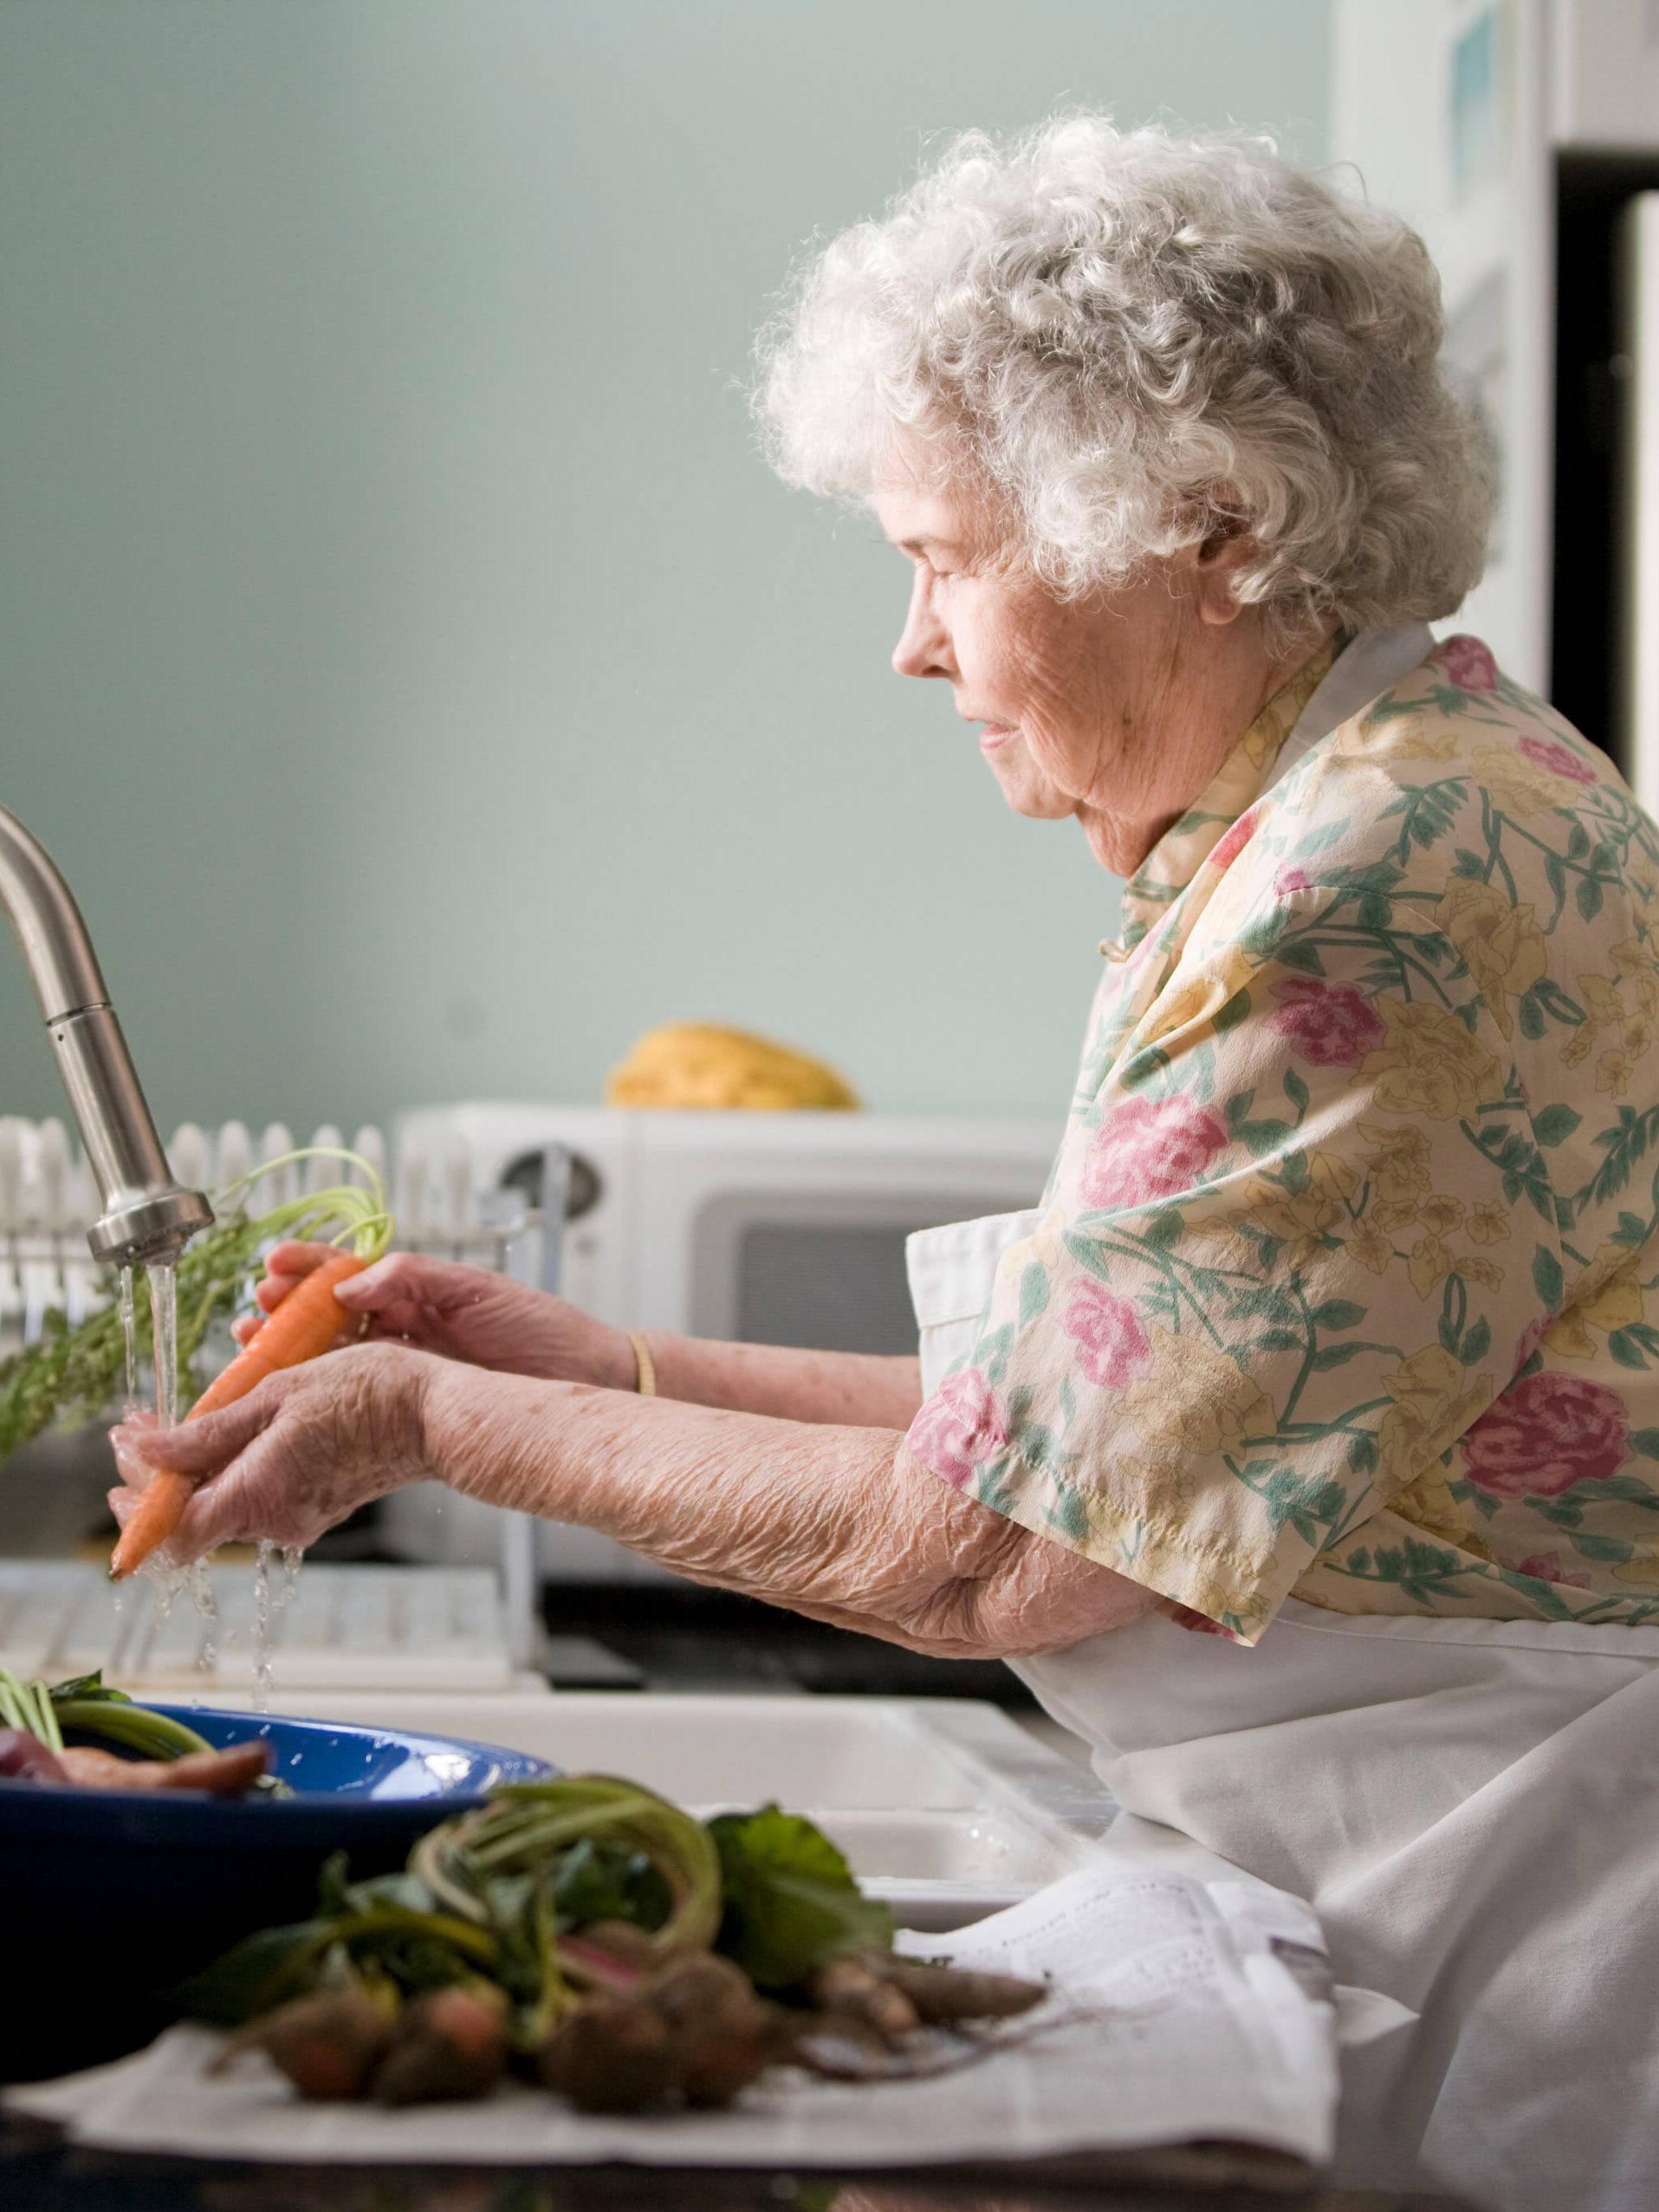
924 646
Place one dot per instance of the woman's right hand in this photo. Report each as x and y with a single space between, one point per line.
461 1313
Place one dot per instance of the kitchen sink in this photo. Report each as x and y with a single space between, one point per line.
947 1805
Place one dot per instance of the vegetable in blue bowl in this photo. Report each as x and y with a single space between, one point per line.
141 1889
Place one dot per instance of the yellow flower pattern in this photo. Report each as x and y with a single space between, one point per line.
1501 944
1342 1284
1431 1065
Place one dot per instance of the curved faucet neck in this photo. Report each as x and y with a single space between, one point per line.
62 965
146 1215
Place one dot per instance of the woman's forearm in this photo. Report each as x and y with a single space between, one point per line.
833 1521
857 1389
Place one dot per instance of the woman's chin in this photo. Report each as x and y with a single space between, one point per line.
1025 787
1036 800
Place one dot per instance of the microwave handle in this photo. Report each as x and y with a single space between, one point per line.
520 1574
555 1206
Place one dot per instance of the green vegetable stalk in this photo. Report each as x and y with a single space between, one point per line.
82 1706
28 1705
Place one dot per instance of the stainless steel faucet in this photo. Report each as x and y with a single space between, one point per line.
147 1216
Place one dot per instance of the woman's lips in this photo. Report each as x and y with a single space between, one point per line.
992 735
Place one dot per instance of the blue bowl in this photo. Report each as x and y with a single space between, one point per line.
132 1892
356 1768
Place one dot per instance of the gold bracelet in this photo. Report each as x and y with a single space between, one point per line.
645 1368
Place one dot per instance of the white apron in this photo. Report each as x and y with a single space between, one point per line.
1471 1807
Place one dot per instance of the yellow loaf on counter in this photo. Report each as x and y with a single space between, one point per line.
700 1065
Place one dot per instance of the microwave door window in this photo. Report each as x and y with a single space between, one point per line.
831 1289
826 1274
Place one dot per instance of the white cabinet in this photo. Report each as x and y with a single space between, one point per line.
1516 135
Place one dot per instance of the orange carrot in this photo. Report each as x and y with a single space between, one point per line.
306 1323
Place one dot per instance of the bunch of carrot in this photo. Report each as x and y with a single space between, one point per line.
309 1320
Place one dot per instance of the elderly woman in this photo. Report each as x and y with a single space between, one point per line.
1299 1445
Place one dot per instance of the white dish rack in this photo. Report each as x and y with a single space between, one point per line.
47 1198
352 1629
462 1626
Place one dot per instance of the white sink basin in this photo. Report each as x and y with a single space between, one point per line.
944 1804
938 1846
864 1752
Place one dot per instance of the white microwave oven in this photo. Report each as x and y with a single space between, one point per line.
769 1228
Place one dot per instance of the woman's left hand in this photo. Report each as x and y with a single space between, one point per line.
296 1456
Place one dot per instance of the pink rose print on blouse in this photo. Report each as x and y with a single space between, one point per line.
1150 1148
1333 1024
1115 1350
1549 753
1289 881
1469 665
1228 846
964 1421
1545 1434
1547 1566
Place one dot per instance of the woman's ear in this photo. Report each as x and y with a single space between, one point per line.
1217 560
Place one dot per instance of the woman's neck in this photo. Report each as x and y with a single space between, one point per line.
1214 693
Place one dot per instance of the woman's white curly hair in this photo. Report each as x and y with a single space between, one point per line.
1137 340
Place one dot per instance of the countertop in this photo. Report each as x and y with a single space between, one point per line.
663 1638
36 2178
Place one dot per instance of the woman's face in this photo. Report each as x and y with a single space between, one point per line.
1117 708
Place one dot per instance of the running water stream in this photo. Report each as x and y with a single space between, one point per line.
269 1607
130 1332
164 1340
164 1336
167 1579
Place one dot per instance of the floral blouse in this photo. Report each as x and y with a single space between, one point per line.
1340 1283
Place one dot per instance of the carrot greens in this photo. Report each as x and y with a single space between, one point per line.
76 1374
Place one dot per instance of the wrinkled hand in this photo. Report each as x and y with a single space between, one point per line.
461 1313
296 1456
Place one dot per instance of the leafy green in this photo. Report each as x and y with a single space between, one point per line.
87 1689
390 1924
598 1881
490 1893
791 1901
261 1972
487 1894
77 1374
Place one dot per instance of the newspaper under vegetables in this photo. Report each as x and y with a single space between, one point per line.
1184 2009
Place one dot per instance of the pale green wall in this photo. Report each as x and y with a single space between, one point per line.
401 648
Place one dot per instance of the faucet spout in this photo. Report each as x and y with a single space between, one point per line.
147 1217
